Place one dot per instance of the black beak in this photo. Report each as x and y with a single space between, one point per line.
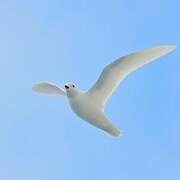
67 87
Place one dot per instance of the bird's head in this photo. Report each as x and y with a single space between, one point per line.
71 89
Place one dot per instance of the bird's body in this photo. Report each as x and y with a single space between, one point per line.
84 106
89 105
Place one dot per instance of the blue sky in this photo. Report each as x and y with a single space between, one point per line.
62 41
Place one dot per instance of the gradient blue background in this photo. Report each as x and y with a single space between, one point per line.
61 41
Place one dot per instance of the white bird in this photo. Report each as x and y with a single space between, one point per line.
89 105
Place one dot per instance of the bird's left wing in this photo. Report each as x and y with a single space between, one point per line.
115 72
48 88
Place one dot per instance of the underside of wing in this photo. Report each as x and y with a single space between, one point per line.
48 88
115 72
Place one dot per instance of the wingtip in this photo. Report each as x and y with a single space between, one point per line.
34 87
172 46
169 47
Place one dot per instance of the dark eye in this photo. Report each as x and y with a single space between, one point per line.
73 85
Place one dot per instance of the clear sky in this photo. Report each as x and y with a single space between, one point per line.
62 41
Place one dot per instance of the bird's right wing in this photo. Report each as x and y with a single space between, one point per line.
115 72
48 88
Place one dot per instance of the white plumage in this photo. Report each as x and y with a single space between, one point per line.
89 105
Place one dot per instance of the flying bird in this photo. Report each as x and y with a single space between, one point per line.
89 105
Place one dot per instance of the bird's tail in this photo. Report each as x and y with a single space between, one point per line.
114 131
103 123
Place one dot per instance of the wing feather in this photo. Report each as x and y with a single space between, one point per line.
48 88
115 72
